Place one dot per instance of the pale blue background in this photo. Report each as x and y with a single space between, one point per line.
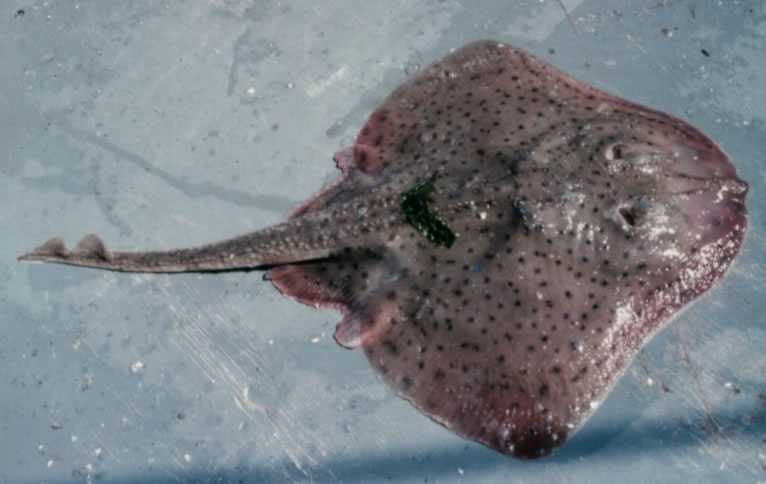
161 124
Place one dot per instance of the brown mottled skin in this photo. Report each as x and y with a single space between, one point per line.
583 222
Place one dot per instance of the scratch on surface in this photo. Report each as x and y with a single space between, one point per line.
721 442
314 89
651 375
198 340
105 447
243 401
635 42
203 332
699 393
178 461
294 459
185 220
566 13
171 474
133 407
295 427
197 354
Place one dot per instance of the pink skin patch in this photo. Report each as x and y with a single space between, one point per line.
291 281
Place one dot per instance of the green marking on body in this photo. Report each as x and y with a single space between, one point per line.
425 221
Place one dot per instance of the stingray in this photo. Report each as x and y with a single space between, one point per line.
502 242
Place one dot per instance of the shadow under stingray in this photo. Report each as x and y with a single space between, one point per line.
625 439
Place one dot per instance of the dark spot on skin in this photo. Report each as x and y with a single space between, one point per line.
391 347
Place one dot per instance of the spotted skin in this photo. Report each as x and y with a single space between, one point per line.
583 222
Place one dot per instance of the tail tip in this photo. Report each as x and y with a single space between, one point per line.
53 249
90 247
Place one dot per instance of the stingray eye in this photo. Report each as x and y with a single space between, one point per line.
615 152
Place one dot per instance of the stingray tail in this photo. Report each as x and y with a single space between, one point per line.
92 252
293 241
